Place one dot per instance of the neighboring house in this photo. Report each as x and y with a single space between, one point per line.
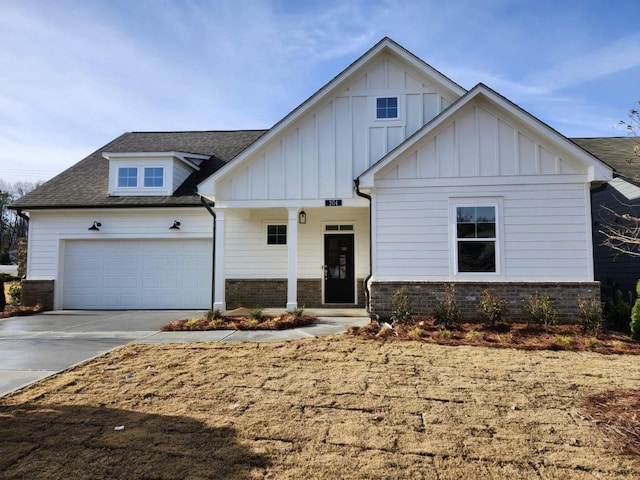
615 270
391 175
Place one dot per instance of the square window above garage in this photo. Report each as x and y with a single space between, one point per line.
387 108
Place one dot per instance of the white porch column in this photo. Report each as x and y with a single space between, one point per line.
219 278
292 260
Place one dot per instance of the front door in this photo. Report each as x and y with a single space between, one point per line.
339 274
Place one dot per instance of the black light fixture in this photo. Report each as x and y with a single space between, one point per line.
175 226
302 217
95 226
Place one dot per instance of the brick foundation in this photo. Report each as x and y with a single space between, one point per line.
36 292
425 296
266 293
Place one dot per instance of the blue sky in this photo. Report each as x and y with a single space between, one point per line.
78 73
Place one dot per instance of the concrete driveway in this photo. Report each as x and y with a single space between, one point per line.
36 346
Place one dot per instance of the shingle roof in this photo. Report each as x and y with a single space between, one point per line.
615 152
85 184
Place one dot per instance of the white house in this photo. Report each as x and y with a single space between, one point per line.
390 175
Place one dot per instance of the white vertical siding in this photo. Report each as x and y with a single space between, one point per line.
320 155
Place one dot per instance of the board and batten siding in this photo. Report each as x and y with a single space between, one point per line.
320 154
47 231
247 255
544 232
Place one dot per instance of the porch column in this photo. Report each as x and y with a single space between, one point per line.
219 302
292 260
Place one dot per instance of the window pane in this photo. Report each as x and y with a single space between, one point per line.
486 230
466 230
276 234
466 214
486 214
476 257
127 177
154 177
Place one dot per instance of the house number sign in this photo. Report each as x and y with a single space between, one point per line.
333 203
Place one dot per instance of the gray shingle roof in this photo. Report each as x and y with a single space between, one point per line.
85 184
615 152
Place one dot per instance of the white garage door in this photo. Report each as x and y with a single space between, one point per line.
137 274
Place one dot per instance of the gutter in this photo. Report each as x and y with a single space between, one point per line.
367 293
209 208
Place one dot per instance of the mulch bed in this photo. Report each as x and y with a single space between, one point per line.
17 310
505 335
267 322
617 414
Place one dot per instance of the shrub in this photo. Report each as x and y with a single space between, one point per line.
617 311
400 307
214 314
191 324
540 309
446 334
564 340
256 314
591 343
447 313
635 316
590 313
15 292
417 332
491 307
296 312
474 335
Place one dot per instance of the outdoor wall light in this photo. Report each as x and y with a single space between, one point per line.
302 217
95 227
175 226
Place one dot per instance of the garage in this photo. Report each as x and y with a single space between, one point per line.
137 274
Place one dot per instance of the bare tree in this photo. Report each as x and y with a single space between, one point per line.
621 227
12 226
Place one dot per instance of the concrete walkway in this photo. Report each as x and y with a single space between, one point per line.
37 346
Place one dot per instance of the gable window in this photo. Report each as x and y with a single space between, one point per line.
127 177
276 234
154 177
386 107
476 238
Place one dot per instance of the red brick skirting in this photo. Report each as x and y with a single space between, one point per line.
36 292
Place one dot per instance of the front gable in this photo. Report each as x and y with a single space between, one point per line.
315 153
484 136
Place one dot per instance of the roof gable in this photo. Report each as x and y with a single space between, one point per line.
384 67
484 134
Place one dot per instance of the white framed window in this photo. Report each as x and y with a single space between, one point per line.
476 236
127 177
153 177
387 108
276 234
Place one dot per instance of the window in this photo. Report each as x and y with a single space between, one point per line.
154 177
276 234
387 107
476 238
128 177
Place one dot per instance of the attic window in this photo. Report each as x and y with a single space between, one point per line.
154 177
128 177
387 107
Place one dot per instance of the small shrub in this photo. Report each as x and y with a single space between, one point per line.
474 335
256 314
417 332
617 311
15 293
216 322
591 343
400 307
491 307
191 324
296 312
447 313
254 322
634 326
214 314
446 334
540 309
564 340
590 313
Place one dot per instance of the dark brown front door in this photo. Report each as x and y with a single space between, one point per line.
339 274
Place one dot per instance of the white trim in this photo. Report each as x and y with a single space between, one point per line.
182 156
589 225
292 259
219 278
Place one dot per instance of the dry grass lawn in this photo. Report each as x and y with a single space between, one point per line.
337 407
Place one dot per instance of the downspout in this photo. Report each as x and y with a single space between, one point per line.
213 248
367 293
26 219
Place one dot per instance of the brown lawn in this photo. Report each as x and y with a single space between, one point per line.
338 407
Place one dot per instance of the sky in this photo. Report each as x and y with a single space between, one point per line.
78 73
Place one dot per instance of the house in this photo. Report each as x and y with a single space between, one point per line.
390 176
613 269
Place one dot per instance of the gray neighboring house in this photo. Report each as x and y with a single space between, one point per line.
614 270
